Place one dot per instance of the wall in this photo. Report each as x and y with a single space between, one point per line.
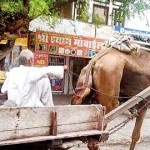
67 26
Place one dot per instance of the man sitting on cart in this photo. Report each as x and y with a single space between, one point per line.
29 86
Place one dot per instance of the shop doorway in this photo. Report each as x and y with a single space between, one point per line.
78 65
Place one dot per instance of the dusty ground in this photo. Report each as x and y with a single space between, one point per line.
122 138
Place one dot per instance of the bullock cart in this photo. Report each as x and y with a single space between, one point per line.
53 125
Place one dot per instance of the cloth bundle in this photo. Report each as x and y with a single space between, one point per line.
124 44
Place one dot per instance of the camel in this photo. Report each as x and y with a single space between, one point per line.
111 73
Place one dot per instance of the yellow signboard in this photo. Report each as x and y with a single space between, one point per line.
21 41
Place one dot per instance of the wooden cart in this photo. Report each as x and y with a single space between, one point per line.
28 124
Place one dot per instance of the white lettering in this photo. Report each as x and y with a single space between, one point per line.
42 37
60 40
78 42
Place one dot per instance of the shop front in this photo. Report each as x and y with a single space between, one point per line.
63 49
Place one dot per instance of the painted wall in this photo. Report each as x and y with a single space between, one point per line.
67 26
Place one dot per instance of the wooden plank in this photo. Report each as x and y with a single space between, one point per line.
12 118
24 133
45 131
41 131
54 123
101 118
47 138
27 122
130 103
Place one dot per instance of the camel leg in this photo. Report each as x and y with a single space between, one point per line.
93 144
138 125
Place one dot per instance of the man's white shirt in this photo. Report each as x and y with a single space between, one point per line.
27 86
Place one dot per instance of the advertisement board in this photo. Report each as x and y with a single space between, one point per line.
131 31
67 45
40 60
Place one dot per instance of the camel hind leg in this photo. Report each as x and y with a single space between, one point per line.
138 125
93 144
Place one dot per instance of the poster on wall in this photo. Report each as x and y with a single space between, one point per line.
67 45
40 60
56 84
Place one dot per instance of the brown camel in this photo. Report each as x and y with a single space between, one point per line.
111 73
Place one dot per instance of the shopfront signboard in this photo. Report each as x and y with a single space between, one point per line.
67 45
21 41
40 60
18 42
140 36
131 31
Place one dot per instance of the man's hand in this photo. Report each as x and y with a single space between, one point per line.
66 68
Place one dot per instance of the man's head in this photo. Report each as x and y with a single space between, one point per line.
26 58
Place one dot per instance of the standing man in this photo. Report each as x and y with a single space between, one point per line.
29 86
